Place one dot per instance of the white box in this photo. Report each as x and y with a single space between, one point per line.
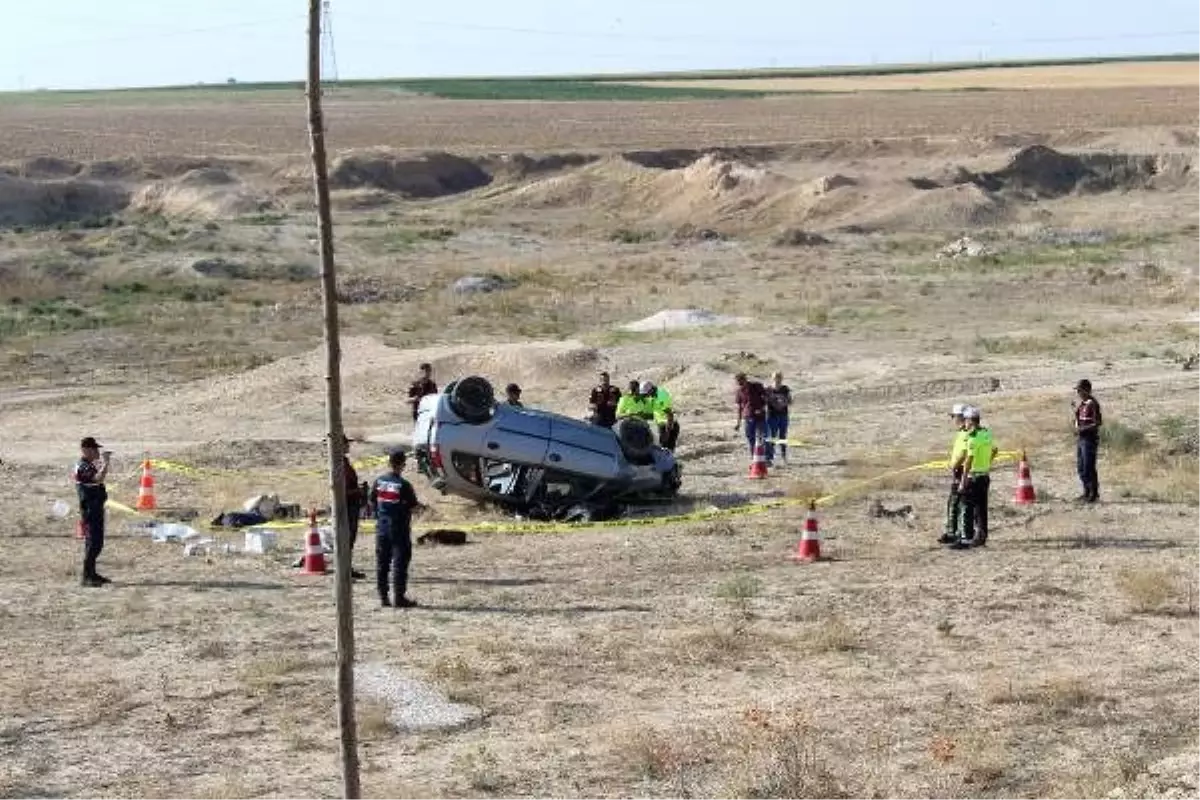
260 541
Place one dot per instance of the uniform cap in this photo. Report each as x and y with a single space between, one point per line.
87 442
1084 384
970 412
646 388
512 388
957 410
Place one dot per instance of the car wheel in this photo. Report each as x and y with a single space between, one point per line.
473 398
636 438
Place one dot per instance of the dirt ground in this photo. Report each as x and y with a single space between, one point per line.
693 659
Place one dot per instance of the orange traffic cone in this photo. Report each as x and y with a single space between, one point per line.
809 546
758 464
314 551
145 501
1024 494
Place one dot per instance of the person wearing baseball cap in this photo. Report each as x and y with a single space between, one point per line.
89 474
975 481
958 454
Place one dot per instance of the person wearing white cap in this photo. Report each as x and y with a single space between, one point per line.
975 482
958 454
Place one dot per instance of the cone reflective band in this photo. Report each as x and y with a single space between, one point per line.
1024 494
314 551
758 464
146 501
809 547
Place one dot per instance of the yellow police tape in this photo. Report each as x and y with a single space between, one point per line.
179 468
671 519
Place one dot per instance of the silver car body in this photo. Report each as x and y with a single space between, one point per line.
521 457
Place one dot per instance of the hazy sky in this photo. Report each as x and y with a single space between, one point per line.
95 43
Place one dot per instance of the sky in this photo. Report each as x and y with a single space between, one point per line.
83 44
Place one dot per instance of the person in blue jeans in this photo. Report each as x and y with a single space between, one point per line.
779 401
751 399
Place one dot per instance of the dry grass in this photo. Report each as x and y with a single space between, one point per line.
1092 76
1158 591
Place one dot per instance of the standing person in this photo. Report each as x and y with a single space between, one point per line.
603 402
395 500
779 401
751 399
1088 420
668 432
512 395
355 498
958 454
422 386
976 481
89 474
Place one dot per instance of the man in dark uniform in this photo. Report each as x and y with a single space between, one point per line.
420 387
512 395
394 500
355 498
603 402
1088 420
668 432
89 474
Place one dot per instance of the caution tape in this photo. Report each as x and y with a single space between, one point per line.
188 470
704 515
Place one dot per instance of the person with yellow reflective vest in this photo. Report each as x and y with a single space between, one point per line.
660 404
975 482
632 404
958 454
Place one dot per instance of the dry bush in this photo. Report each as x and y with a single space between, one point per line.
805 490
657 755
274 672
453 669
1058 695
1147 590
781 755
832 635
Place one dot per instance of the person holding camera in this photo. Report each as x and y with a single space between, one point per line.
89 474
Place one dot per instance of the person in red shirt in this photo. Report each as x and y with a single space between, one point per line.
751 399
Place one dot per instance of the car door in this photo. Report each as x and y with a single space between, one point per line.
583 449
517 435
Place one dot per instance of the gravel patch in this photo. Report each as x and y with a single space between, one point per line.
415 705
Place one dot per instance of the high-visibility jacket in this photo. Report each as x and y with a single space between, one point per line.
980 448
958 448
631 405
660 404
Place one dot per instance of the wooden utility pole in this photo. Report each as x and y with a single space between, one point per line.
347 726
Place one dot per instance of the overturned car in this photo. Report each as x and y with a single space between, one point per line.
533 462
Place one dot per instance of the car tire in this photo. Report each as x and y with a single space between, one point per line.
473 399
636 439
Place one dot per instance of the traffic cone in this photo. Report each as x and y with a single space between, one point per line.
314 551
758 464
1024 494
809 546
145 501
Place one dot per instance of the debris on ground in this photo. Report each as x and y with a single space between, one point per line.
966 246
878 510
171 532
415 705
443 537
482 284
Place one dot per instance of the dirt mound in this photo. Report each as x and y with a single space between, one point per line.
45 167
515 166
48 202
431 175
1038 171
204 193
283 399
952 208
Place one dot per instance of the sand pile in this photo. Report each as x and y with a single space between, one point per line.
952 208
26 201
675 319
203 193
284 399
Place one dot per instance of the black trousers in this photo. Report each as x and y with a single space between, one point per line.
668 436
393 554
953 505
93 540
354 510
1085 465
974 527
